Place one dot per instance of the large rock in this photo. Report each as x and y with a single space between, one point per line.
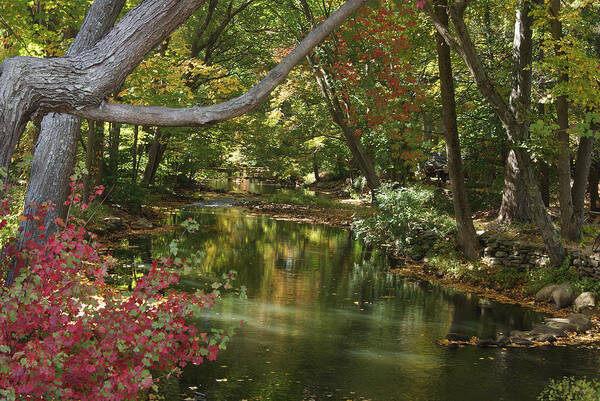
580 321
545 294
562 295
585 301
142 224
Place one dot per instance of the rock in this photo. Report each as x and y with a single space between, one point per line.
560 324
545 294
580 321
563 295
142 224
521 341
545 332
457 337
586 300
501 254
112 223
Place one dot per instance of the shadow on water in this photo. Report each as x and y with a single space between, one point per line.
326 321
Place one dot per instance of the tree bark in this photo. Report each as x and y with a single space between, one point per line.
514 206
467 237
113 154
94 159
134 150
594 179
545 182
158 146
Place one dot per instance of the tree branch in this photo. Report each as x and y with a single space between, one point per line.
197 116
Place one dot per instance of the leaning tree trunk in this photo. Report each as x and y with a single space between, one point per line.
56 148
467 237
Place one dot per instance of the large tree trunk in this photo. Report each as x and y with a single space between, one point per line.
467 237
545 182
56 147
514 206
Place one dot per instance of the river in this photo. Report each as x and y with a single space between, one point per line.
325 320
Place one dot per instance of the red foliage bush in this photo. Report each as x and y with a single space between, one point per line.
65 335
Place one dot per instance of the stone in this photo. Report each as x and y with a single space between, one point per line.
142 224
521 341
110 224
563 295
585 300
580 322
560 324
501 254
545 294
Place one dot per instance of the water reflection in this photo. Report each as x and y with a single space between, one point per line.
327 322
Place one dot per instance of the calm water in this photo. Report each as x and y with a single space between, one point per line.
325 321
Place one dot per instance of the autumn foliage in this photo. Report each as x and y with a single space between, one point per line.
65 335
375 78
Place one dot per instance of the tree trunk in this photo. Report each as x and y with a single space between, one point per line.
545 182
467 237
513 115
134 151
568 226
158 146
56 147
93 160
115 140
315 165
514 205
359 153
580 179
594 179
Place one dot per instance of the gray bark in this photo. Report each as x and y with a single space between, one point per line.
513 116
467 237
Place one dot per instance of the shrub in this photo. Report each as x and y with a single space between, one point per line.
404 216
65 335
571 389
